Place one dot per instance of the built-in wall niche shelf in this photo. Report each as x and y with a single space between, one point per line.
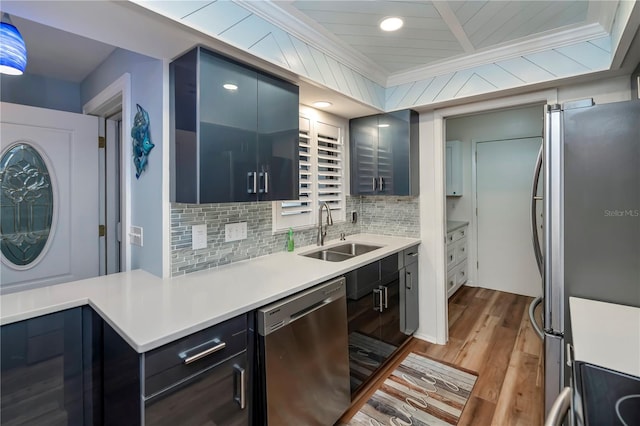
454 168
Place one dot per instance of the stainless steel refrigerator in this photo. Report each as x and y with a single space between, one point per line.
591 219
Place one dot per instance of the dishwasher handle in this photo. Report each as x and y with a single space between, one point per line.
286 311
309 310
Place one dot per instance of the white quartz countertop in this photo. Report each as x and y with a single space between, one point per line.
606 334
148 311
452 225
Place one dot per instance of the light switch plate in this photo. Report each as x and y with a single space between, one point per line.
135 236
235 231
199 237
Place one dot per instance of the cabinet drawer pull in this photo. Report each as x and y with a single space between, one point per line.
378 307
193 358
252 189
386 297
266 182
239 391
412 254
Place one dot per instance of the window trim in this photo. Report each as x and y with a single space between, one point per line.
315 117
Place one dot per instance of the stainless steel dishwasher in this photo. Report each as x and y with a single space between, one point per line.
305 357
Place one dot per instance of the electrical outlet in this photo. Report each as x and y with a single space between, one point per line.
235 231
135 236
198 237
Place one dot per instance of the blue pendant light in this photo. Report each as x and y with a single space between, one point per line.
13 52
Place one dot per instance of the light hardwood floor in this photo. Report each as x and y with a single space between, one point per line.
490 334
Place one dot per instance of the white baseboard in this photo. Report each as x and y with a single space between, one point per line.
425 337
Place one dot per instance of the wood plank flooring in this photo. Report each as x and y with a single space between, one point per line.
490 334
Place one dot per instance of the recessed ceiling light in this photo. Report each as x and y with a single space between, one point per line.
392 23
322 104
230 87
383 125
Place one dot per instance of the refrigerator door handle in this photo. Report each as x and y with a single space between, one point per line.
537 250
560 408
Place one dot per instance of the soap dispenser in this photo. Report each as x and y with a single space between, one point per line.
290 243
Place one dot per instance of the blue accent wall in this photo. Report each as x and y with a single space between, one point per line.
146 192
40 91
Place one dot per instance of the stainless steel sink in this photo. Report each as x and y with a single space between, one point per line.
341 252
353 249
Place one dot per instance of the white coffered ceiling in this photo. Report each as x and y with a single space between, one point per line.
447 51
437 32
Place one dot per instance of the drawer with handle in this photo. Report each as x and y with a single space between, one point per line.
451 256
410 255
178 360
461 250
457 234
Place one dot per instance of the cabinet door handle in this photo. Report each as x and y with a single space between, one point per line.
381 179
188 359
266 182
260 188
374 182
239 390
386 297
252 189
410 281
377 291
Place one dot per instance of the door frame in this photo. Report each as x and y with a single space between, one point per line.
117 96
436 204
473 252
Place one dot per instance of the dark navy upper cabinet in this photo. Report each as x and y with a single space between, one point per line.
235 132
384 154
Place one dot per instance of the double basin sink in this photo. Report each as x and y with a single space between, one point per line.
341 252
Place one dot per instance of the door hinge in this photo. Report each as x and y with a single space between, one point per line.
102 142
102 230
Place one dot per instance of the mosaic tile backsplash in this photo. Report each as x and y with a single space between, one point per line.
397 216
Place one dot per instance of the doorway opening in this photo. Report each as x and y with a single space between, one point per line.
112 106
489 168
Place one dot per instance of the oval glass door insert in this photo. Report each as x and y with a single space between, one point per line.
26 203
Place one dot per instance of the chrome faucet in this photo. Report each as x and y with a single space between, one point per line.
322 229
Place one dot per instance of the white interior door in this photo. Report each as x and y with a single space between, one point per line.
504 173
64 168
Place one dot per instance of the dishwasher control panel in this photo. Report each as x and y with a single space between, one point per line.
286 311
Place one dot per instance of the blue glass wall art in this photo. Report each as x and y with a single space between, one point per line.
142 144
26 204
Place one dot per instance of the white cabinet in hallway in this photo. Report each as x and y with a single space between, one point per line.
457 248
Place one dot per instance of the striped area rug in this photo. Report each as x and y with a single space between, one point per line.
419 392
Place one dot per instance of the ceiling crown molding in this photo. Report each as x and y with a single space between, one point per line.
538 43
295 23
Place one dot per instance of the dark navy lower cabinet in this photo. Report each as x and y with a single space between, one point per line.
200 379
72 368
42 371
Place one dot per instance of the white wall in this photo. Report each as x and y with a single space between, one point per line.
433 312
147 89
603 91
